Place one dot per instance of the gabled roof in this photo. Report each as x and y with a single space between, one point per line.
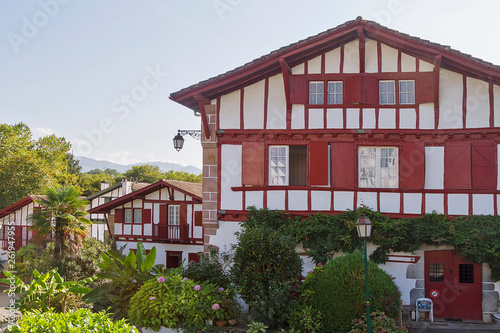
17 205
192 189
135 187
296 53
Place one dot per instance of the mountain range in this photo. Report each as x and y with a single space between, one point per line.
88 164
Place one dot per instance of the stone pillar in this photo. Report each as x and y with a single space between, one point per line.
210 179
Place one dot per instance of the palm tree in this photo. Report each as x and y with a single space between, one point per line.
62 218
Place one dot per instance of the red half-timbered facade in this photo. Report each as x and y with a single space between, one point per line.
15 223
166 214
357 115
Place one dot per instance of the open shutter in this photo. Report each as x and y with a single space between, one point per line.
146 216
424 88
457 165
298 90
343 165
163 214
484 165
118 215
318 163
412 165
253 163
183 214
198 221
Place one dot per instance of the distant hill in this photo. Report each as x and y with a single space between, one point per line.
88 164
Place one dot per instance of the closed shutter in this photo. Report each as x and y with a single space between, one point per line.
298 90
318 163
118 215
369 89
253 163
194 256
343 165
146 216
457 165
352 89
412 165
424 88
484 165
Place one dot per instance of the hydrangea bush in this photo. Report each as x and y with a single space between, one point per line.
172 301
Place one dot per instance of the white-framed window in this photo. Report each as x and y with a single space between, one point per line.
288 165
406 92
334 92
128 215
137 215
387 92
316 92
174 215
378 167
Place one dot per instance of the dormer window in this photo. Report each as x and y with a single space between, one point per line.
317 92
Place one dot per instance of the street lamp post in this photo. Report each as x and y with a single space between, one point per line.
364 227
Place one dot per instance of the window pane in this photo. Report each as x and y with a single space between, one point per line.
278 165
407 92
387 92
335 92
316 92
436 272
128 215
466 273
137 215
173 215
378 167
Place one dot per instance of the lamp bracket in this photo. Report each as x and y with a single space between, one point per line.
195 134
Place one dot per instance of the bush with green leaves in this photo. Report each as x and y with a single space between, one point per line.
47 291
305 319
173 301
208 269
379 322
124 275
265 267
79 321
257 327
338 291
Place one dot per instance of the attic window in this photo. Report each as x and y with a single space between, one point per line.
317 92
387 92
406 92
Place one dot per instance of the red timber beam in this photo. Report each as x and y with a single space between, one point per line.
202 100
285 69
361 36
437 67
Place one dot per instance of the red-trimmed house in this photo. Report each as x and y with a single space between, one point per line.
16 215
358 115
166 214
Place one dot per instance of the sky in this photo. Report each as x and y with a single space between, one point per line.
100 72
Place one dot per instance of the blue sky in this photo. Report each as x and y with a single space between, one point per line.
100 72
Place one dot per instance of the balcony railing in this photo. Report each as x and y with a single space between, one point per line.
171 232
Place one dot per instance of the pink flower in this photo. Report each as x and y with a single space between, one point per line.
152 298
185 279
197 287
215 307
319 264
221 289
161 279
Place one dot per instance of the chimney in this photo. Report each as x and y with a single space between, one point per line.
126 186
104 185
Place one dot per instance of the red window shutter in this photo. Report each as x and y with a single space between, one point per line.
163 214
457 165
198 221
183 214
343 165
369 89
194 257
118 215
424 87
484 165
298 90
412 165
352 89
253 157
318 163
146 216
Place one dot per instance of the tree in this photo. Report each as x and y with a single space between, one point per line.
90 182
184 176
144 173
62 214
27 166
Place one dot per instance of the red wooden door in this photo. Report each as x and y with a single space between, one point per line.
454 285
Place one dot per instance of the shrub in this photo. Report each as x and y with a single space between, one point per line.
265 266
208 269
172 301
379 323
305 319
80 321
339 291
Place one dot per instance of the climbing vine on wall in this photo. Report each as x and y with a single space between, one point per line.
475 237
